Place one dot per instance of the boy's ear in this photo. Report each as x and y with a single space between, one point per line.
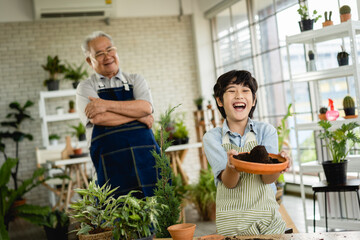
254 102
219 102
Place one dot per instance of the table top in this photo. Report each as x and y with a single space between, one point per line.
295 236
351 185
71 161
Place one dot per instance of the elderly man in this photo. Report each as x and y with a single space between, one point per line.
116 109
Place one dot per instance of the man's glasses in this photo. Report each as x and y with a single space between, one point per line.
109 52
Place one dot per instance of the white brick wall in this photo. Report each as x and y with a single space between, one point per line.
159 48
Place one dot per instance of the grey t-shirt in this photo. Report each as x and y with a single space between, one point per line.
90 86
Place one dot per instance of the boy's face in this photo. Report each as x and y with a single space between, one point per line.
237 102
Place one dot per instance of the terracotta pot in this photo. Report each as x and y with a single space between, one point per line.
98 236
345 17
260 168
322 116
327 23
78 151
183 231
72 110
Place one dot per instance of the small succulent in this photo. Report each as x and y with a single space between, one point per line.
348 102
326 14
345 9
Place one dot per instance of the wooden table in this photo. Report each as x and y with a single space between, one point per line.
297 236
177 155
75 168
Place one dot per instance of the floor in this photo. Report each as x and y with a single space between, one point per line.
22 230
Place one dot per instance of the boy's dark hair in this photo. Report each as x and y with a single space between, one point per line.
240 77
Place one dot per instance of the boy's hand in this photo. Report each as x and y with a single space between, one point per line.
229 154
287 157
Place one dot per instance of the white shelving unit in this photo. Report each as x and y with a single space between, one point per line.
45 118
349 29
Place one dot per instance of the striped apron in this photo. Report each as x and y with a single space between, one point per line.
250 208
122 154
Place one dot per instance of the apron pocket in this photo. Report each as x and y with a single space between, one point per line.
130 169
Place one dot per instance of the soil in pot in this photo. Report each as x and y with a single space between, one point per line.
258 154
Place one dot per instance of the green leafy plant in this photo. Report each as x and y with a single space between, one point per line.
8 197
54 67
79 130
203 194
303 12
348 102
165 191
198 102
345 9
71 104
282 130
135 217
340 141
95 210
19 115
75 73
326 16
54 137
181 131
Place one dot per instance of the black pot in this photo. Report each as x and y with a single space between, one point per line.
335 173
59 233
82 137
75 84
184 140
147 238
349 111
343 61
53 85
176 141
306 25
199 107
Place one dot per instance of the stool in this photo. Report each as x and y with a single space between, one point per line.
350 185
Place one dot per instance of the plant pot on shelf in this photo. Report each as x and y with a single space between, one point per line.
349 111
327 23
343 58
77 151
335 173
345 17
322 116
52 85
82 137
306 25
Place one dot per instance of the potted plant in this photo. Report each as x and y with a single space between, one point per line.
19 115
203 195
345 13
198 102
181 134
56 224
59 110
322 113
136 218
339 142
95 212
306 22
165 191
311 63
343 57
75 73
9 208
54 67
349 106
209 105
79 131
71 106
328 21
54 138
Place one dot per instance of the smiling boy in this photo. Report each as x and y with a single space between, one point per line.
245 203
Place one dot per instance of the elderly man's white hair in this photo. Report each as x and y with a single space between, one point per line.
85 46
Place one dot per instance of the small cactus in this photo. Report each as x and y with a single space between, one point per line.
330 13
71 104
326 16
348 102
323 110
345 9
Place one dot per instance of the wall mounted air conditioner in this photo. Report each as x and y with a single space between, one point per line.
48 9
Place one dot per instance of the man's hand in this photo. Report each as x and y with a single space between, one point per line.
147 120
94 107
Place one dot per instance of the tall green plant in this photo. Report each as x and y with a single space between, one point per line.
19 115
54 67
282 130
165 191
340 141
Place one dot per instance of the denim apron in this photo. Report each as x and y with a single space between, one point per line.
122 154
249 208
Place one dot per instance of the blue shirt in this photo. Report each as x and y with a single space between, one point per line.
265 133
